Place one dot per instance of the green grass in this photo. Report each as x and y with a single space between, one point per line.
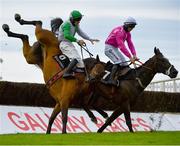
123 138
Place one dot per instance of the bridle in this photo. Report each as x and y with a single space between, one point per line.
137 78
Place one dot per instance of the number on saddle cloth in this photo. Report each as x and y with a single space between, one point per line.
62 60
120 73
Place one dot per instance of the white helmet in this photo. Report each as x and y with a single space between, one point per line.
130 20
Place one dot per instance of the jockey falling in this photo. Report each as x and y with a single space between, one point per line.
66 37
115 47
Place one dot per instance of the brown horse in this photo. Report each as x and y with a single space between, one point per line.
64 91
131 85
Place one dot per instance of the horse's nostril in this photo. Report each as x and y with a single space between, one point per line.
175 72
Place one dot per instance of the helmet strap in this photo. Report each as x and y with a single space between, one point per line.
125 28
72 21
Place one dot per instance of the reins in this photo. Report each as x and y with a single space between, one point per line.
90 54
140 64
137 78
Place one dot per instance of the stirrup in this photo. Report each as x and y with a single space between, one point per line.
109 82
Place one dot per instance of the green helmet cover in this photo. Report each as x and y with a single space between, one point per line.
76 14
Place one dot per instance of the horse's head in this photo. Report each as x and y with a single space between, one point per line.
163 65
97 69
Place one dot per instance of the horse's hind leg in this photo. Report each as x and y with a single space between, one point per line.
25 22
54 114
114 115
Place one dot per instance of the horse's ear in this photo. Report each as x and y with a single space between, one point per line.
156 50
97 58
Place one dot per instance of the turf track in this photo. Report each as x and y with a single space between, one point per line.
123 138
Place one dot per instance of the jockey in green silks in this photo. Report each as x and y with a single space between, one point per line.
66 38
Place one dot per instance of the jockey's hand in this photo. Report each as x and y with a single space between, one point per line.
135 58
94 40
132 59
81 42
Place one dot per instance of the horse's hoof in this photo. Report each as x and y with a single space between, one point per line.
99 131
5 27
17 17
94 120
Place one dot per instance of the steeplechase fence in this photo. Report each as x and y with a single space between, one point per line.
171 85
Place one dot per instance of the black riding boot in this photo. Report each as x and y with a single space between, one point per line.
111 79
68 72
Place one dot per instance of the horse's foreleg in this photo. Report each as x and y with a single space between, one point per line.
90 114
64 112
27 49
55 112
128 119
114 115
17 17
101 112
12 34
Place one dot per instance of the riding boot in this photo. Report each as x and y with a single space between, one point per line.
111 79
68 72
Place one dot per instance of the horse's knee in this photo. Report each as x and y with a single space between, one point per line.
29 59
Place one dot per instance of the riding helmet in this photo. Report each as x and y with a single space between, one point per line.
76 15
130 21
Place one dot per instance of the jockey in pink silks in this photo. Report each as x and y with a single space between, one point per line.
115 47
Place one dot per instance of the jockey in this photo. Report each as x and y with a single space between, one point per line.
66 37
115 47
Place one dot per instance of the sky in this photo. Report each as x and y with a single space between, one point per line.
158 25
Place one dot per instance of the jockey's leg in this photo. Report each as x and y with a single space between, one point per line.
69 50
111 79
68 72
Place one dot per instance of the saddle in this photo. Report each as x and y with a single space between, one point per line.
119 75
122 71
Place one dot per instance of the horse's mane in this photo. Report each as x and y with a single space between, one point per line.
55 24
89 63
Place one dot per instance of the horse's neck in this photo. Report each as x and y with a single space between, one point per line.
146 73
50 66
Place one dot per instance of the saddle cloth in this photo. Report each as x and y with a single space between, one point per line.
63 61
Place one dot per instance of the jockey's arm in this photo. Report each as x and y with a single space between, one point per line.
122 46
85 36
131 45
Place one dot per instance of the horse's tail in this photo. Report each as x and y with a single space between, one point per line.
55 24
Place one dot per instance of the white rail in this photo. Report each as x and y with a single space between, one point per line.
1 61
171 85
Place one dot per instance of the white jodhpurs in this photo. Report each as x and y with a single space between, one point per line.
69 50
115 55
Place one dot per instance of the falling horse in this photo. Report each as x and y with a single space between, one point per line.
64 91
132 85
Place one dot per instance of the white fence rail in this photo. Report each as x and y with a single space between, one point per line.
171 85
1 61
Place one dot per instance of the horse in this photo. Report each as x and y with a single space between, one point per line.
131 85
64 91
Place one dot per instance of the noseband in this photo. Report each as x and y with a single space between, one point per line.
167 72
